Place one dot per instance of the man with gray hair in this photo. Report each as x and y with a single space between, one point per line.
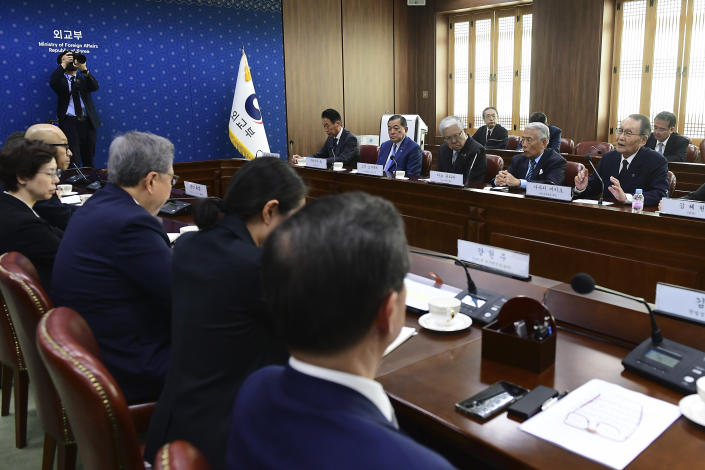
114 265
460 153
538 164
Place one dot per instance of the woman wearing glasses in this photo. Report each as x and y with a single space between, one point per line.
29 173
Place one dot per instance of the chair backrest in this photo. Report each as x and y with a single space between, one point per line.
593 147
693 155
426 159
567 145
26 303
571 170
369 153
514 142
180 455
671 183
702 151
94 403
10 350
495 163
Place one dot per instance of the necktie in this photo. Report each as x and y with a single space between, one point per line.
660 148
623 172
530 173
76 98
489 133
455 156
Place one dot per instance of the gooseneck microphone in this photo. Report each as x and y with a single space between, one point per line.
82 178
588 160
472 288
583 283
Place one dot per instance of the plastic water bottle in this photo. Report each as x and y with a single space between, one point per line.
638 201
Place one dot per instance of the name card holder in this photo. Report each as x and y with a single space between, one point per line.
195 189
549 191
442 177
683 208
370 169
680 302
508 262
320 163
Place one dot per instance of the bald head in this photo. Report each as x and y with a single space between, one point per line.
52 135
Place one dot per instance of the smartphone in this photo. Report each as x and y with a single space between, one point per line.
492 400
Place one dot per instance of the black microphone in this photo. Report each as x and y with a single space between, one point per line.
583 283
472 288
471 165
80 178
594 170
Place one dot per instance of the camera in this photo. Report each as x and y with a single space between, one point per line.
80 58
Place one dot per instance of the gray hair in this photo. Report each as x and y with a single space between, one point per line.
540 128
134 154
449 121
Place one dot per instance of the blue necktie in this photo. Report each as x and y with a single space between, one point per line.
530 173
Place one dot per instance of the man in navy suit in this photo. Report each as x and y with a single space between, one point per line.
554 140
341 144
324 409
399 152
630 166
665 140
538 163
114 265
492 135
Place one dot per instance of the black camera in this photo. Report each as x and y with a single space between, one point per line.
80 58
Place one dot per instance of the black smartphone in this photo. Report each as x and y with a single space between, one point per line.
491 400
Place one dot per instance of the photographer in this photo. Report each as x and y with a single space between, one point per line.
75 111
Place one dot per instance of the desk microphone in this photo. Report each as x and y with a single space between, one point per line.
266 154
583 283
81 177
331 152
588 160
472 288
471 165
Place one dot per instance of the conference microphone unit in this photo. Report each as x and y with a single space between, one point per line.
80 178
267 154
672 364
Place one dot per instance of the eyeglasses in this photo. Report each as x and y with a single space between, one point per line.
66 146
628 132
174 179
453 137
51 173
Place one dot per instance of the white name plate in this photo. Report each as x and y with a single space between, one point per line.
511 262
195 189
370 169
320 163
549 191
681 302
683 207
455 179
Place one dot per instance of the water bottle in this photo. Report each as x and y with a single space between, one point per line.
638 201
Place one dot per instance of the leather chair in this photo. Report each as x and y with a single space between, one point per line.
693 155
179 455
14 375
426 159
702 151
495 163
593 147
514 142
104 427
369 153
567 146
571 170
671 183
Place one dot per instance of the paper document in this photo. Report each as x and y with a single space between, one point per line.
75 199
592 201
418 294
604 422
405 333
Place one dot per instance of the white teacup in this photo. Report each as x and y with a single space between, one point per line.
443 310
337 166
700 385
84 197
399 174
62 189
301 161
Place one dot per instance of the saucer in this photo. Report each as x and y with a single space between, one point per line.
353 171
70 193
342 169
300 164
460 322
404 178
693 408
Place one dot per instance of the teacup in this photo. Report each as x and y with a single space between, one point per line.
700 385
399 174
62 189
443 310
301 161
337 166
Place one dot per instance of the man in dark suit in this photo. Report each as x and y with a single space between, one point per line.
114 265
630 166
665 140
324 409
492 135
341 144
460 153
74 110
554 140
400 152
538 163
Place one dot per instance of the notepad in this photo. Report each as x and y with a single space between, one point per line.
405 333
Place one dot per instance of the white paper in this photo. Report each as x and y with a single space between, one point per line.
76 199
455 179
418 294
370 169
549 191
173 236
195 189
592 201
320 163
507 261
604 422
683 208
405 333
680 301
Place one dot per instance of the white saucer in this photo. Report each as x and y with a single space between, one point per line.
342 169
460 322
70 193
693 408
300 164
401 178
353 171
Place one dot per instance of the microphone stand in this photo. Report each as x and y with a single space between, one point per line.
594 170
472 288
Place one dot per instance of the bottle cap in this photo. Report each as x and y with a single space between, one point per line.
638 191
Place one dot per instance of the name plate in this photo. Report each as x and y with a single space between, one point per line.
681 302
549 191
370 169
320 163
455 179
195 189
683 208
511 262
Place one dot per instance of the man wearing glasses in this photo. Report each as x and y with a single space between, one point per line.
114 264
665 140
460 153
631 166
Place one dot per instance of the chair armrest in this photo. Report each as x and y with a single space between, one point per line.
141 414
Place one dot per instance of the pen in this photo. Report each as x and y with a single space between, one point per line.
552 401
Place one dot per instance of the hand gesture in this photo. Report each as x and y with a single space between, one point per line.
616 190
581 179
